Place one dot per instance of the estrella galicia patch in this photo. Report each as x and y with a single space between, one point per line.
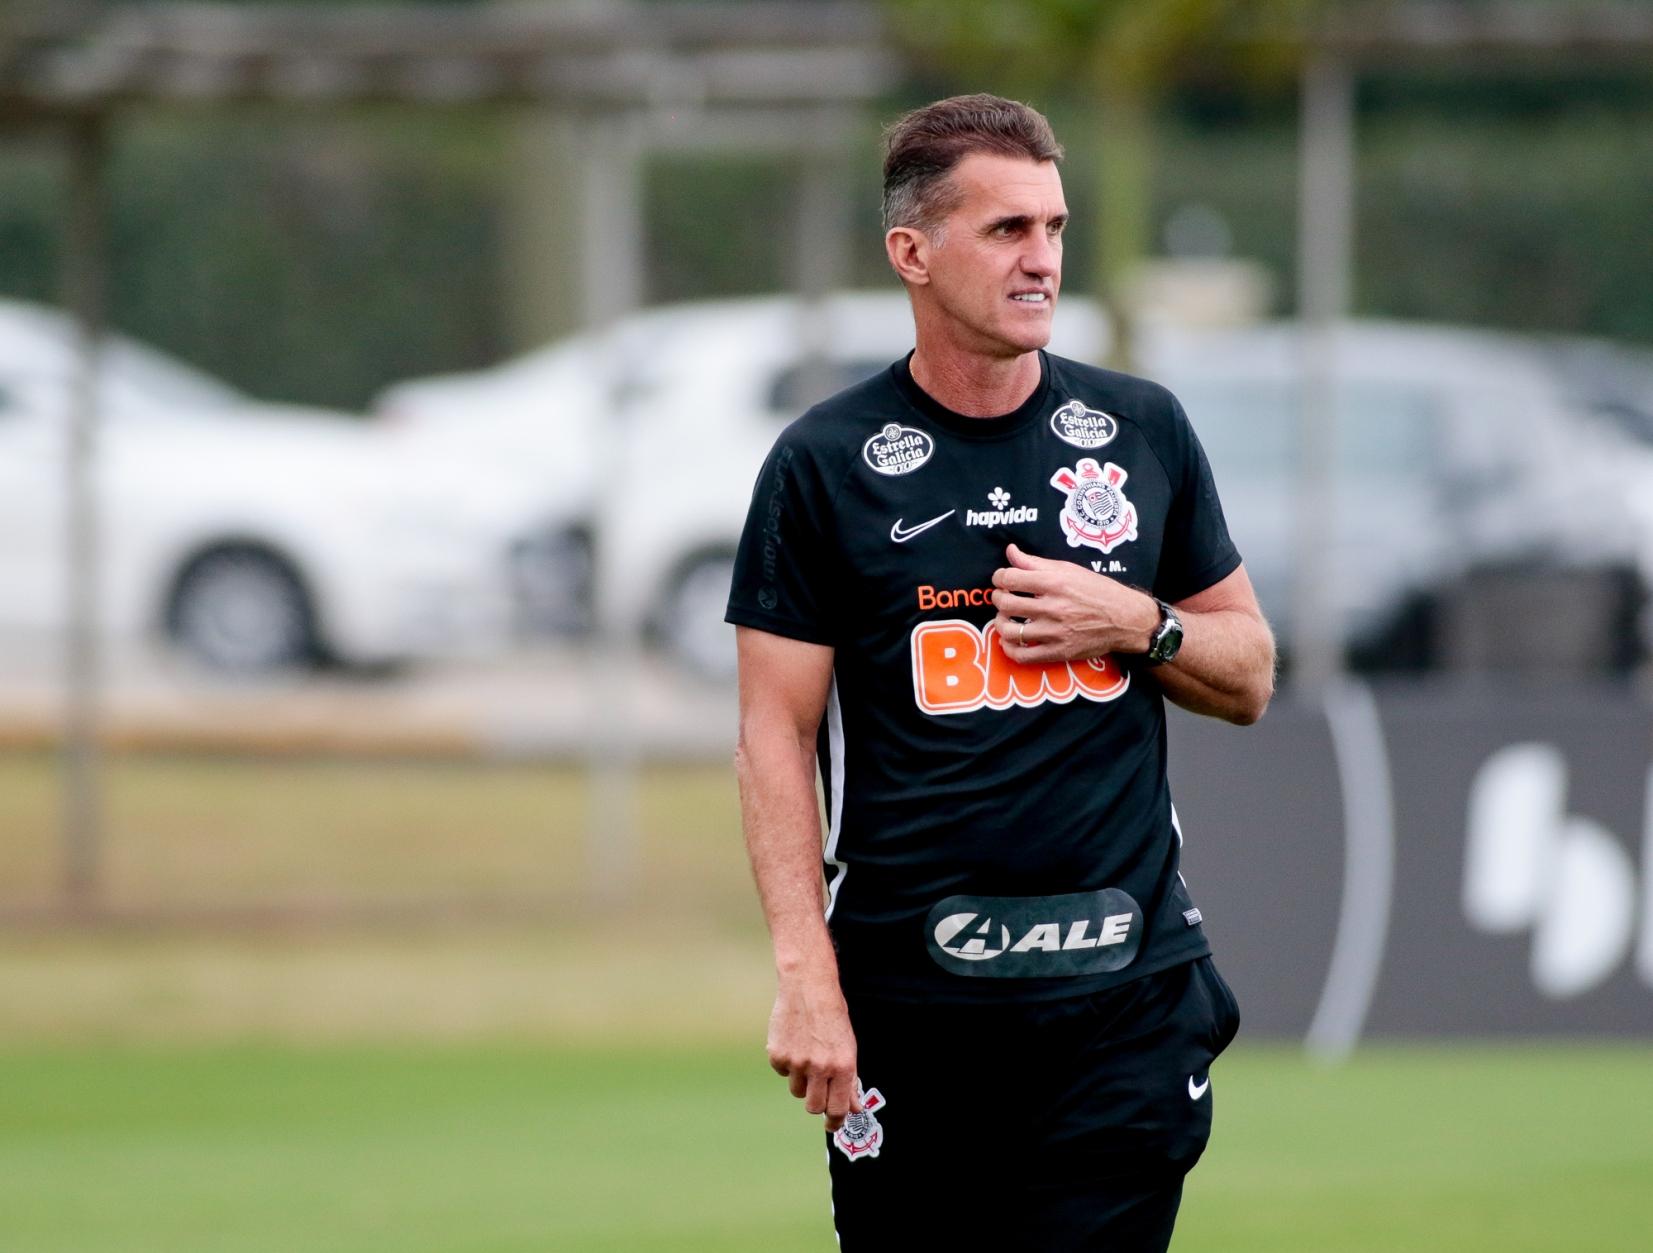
1026 937
897 449
1084 427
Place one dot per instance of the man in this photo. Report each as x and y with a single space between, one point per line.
964 587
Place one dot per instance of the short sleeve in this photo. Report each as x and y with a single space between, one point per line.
1197 552
785 570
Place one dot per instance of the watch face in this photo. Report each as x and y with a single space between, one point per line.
1170 642
1167 638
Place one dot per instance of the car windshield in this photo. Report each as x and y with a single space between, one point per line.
164 383
38 364
1249 429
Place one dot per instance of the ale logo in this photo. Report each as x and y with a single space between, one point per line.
1024 937
969 940
959 667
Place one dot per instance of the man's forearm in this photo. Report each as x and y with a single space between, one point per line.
811 1040
781 818
784 686
1225 668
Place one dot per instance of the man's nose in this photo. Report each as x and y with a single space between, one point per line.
1042 258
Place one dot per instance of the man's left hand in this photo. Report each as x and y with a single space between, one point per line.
1058 611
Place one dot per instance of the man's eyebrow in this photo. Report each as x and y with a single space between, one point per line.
1021 221
1015 221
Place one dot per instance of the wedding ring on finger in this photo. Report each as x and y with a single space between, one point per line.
1021 634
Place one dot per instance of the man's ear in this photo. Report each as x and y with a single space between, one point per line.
909 252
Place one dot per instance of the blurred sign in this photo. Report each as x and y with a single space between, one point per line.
1427 862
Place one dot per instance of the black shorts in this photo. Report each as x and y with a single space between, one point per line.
1031 1127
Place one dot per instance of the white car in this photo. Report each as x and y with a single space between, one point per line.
1457 450
545 422
651 434
254 537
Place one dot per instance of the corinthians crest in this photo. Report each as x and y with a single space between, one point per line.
862 1135
1097 512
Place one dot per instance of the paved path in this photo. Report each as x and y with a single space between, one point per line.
545 702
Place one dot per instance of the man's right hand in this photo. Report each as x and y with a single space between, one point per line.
812 1044
783 696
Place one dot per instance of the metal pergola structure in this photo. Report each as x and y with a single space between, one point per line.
771 74
623 77
65 58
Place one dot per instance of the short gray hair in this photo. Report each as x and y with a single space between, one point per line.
922 147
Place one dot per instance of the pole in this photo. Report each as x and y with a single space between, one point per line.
543 271
822 245
1325 245
85 291
611 283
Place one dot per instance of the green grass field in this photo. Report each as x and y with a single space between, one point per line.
584 1078
260 1149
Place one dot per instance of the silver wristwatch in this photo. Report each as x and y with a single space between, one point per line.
1166 640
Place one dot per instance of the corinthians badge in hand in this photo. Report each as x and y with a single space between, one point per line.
862 1135
1096 512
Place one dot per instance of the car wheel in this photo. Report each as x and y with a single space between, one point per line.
243 611
690 621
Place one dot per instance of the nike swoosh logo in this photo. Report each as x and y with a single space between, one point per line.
1195 1091
901 536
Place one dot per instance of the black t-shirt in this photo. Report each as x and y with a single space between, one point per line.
994 830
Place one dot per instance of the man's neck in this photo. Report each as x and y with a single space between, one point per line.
976 386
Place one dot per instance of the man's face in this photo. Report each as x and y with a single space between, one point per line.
996 274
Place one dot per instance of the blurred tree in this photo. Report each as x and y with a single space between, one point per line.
1121 56
308 258
316 257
